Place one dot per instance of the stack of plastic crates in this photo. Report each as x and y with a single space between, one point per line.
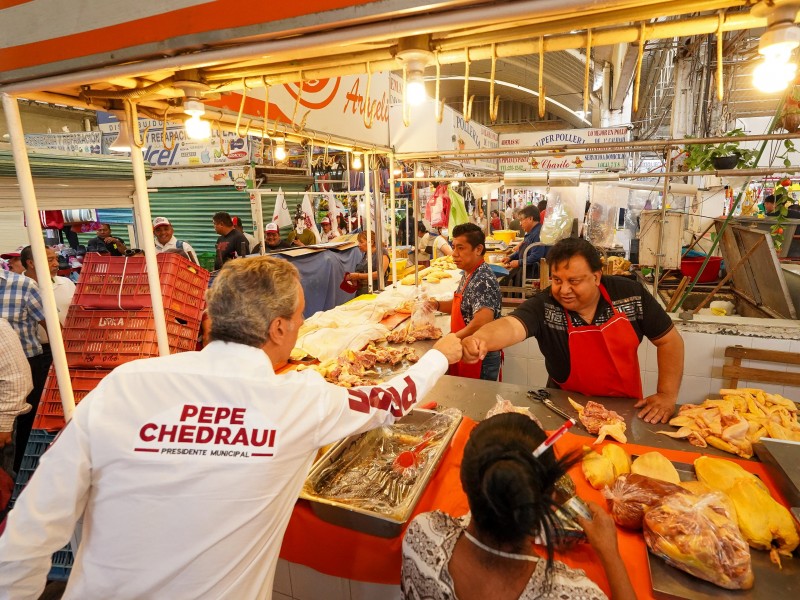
38 442
111 321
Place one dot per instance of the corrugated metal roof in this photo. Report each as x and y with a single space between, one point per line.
71 166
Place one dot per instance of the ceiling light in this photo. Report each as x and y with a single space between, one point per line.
397 172
357 160
123 141
196 128
420 173
776 46
416 89
280 149
413 52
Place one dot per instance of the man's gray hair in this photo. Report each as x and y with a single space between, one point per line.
248 295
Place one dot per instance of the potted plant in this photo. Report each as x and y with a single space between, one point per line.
790 113
717 157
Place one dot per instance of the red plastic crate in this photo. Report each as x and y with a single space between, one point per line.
108 338
120 282
50 414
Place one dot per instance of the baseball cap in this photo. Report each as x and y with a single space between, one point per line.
326 220
271 227
160 221
13 254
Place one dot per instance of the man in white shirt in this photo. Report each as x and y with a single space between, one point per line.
185 468
63 287
166 240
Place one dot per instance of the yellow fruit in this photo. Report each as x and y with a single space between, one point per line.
598 470
619 459
721 474
655 465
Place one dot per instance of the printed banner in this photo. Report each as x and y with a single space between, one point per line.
85 142
560 138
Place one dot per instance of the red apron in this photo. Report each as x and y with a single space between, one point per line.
462 369
604 359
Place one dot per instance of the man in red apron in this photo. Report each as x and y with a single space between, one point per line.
476 301
589 327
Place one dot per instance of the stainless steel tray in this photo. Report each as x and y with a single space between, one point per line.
370 521
670 583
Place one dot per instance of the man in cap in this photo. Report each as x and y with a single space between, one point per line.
166 240
105 242
13 260
189 494
328 232
272 237
231 243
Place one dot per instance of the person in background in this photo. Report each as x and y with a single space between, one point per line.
490 552
301 235
509 210
63 289
166 240
272 238
21 305
231 243
252 243
105 242
202 452
515 225
477 299
328 233
430 244
342 223
532 227
495 222
361 276
15 385
13 260
542 206
589 327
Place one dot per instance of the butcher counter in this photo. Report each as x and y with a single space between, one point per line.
347 556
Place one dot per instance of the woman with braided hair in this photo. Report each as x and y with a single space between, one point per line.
489 553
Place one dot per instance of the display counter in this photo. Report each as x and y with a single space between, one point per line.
342 553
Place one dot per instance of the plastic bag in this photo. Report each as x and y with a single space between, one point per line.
505 406
601 224
698 535
632 495
557 225
423 313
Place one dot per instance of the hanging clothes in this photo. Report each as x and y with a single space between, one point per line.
437 211
458 210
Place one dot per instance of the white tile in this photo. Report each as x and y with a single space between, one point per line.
693 389
723 341
279 596
715 385
792 392
650 384
515 370
533 349
283 581
308 584
360 590
794 346
698 354
537 374
642 352
520 349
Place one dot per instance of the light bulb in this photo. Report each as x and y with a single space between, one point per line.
773 76
454 183
197 129
397 172
420 173
357 160
415 92
280 150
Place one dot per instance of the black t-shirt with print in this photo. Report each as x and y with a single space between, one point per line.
543 318
230 246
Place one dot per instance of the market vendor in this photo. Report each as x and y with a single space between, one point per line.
477 299
361 276
530 221
272 238
185 468
589 327
431 244
105 242
166 240
301 235
328 232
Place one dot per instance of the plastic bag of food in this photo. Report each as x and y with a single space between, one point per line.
558 224
505 406
601 225
423 313
698 535
632 495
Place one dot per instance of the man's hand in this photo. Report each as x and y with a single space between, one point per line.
474 349
513 264
297 242
657 408
450 346
5 438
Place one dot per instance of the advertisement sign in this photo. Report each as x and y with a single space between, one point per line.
87 142
561 138
176 149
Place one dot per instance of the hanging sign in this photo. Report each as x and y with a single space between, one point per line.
86 142
561 138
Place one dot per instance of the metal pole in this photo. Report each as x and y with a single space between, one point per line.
349 191
417 218
393 215
656 272
257 208
141 200
378 196
368 220
36 240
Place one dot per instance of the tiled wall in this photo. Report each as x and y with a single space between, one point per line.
298 582
702 367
